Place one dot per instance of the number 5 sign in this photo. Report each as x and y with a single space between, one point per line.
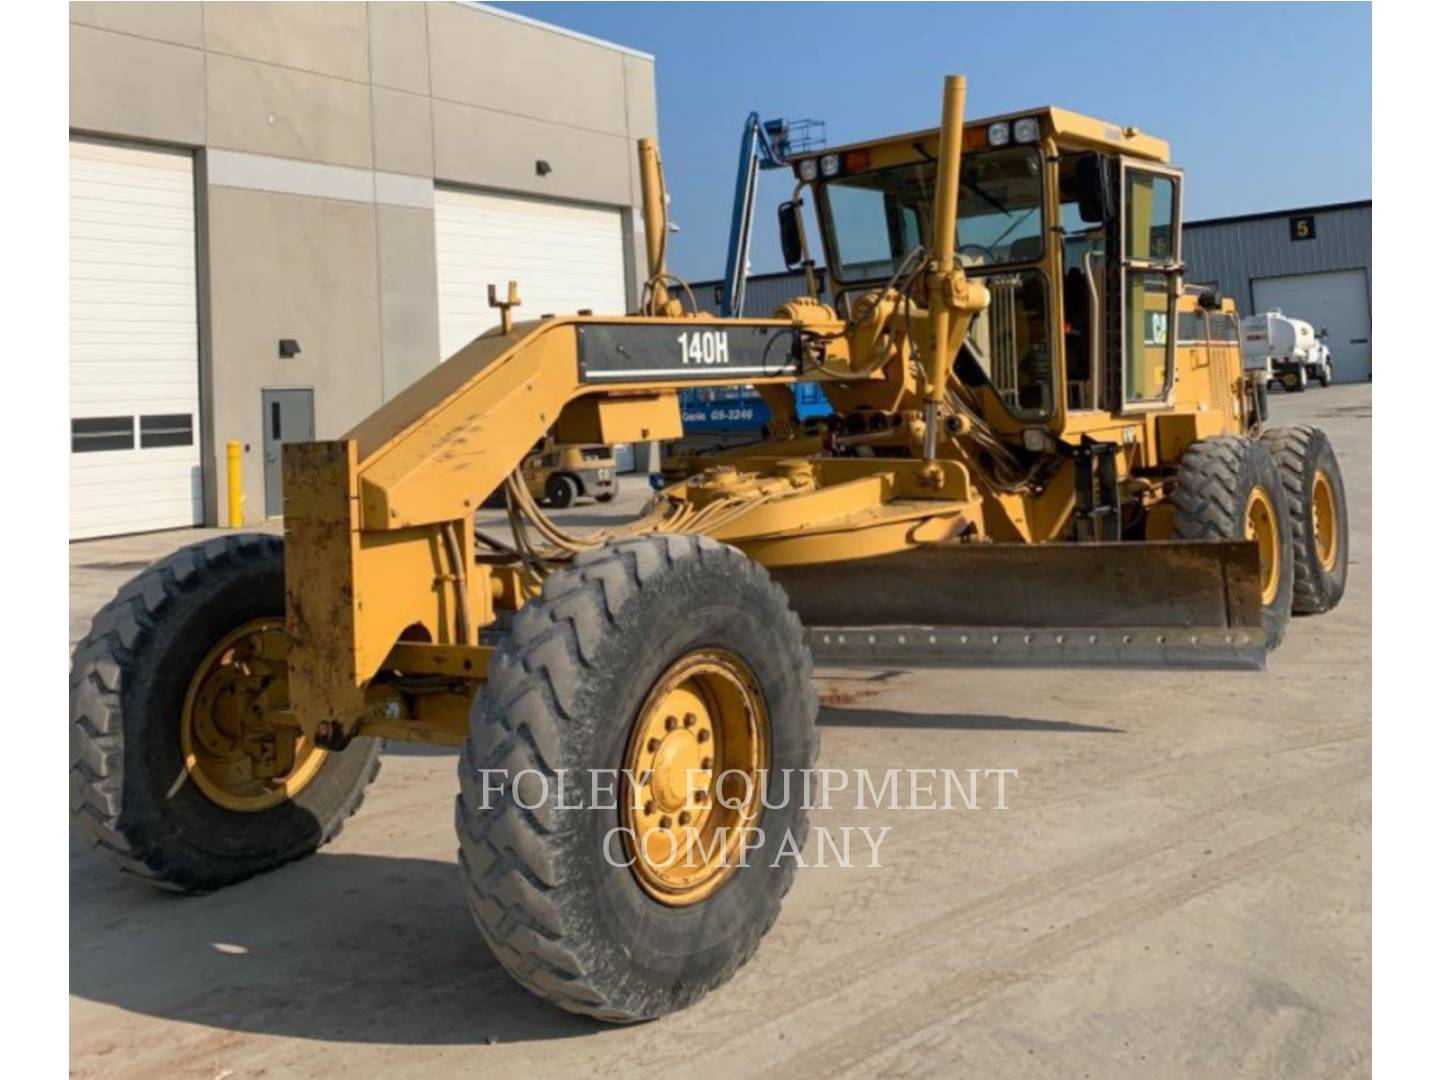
1302 227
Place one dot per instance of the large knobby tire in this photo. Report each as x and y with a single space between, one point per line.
1319 518
568 690
130 788
1222 480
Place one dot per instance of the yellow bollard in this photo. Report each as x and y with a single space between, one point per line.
232 466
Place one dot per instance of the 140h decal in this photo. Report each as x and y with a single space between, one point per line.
610 352
704 347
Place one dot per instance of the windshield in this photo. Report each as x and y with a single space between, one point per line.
873 220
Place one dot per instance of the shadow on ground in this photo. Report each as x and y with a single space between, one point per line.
339 947
885 718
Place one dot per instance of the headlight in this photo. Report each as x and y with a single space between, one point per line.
1027 130
1035 439
830 165
999 133
808 170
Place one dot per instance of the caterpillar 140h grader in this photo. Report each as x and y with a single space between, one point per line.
1044 449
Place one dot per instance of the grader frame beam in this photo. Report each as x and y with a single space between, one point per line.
378 536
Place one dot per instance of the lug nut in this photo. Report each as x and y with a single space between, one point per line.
705 763
690 719
684 817
669 723
653 745
665 821
704 736
649 808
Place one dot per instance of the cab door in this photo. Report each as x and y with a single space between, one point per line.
1150 282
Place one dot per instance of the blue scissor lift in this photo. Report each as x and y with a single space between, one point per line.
763 145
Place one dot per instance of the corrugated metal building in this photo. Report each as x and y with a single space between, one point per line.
1312 263
763 292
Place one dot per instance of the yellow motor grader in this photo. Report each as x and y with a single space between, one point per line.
1044 450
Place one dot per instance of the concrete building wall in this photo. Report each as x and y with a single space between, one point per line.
320 131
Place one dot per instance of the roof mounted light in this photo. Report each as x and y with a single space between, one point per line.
830 165
809 170
1027 130
999 133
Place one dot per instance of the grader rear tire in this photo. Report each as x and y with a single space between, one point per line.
651 655
157 689
1230 489
1319 518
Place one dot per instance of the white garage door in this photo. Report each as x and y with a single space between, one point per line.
1338 302
134 350
564 257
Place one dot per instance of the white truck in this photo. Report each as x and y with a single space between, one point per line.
1287 350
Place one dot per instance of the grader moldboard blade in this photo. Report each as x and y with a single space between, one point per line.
1179 604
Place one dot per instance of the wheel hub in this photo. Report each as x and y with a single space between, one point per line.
1325 521
695 762
1262 526
677 760
232 751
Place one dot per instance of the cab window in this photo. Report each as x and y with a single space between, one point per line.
873 220
1083 283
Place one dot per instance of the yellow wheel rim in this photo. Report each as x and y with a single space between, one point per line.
233 753
1262 525
695 765
1326 521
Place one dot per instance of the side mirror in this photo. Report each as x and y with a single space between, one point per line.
790 235
1094 195
1209 300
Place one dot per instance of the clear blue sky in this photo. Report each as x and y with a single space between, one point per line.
1266 106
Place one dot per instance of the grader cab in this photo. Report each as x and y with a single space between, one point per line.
1043 450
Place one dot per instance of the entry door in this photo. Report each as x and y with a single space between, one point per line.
1150 270
289 416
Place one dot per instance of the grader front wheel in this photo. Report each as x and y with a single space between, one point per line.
621 807
177 772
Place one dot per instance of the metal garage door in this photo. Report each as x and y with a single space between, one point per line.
134 350
1338 302
564 257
